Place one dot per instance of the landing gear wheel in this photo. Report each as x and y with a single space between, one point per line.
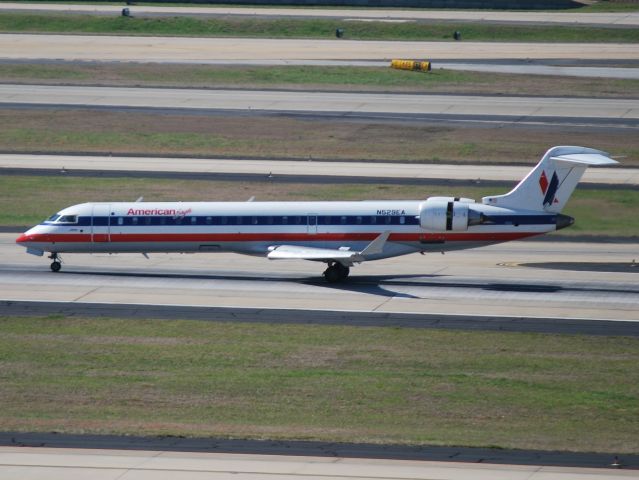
336 272
55 265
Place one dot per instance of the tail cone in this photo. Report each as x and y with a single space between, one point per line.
564 221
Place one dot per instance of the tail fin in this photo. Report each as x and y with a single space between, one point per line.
549 185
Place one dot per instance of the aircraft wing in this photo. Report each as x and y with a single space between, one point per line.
282 252
342 255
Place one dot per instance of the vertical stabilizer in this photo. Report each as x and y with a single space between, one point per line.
549 185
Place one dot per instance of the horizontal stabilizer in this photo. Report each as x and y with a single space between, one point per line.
594 159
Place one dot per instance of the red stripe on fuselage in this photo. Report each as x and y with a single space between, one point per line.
279 237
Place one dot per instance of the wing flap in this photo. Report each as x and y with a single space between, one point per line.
284 252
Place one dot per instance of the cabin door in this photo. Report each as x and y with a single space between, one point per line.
100 223
312 224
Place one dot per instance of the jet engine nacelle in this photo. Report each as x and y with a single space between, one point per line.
439 214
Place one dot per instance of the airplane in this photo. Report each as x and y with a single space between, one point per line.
339 234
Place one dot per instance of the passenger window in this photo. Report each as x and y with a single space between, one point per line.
402 220
120 221
209 220
134 220
147 220
193 220
373 220
358 220
297 220
254 220
284 220
224 220
269 220
387 220
342 220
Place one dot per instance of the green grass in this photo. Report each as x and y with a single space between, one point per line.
330 383
600 6
311 77
308 28
26 200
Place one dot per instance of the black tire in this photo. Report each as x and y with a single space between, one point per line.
332 274
336 273
343 271
56 266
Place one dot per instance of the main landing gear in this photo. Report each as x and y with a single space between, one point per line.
56 265
336 272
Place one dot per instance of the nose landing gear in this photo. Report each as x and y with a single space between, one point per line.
336 272
56 265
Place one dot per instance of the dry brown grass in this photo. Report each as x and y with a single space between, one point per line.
286 137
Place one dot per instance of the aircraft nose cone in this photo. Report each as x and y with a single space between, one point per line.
564 221
23 238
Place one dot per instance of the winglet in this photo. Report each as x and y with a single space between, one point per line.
376 246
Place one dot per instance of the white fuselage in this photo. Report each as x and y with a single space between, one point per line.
253 227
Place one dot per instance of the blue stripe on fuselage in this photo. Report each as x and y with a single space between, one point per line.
293 220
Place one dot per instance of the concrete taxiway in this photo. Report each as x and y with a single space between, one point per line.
204 50
571 17
26 463
524 279
380 105
99 165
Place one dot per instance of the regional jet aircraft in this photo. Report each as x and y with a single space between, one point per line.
339 234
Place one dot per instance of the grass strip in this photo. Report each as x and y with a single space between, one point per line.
599 6
311 77
309 28
27 200
105 132
329 383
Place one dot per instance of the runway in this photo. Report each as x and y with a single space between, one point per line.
618 112
295 170
571 18
519 279
203 50
23 463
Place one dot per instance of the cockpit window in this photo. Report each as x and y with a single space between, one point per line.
68 219
53 217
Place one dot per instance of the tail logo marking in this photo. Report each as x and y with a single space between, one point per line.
549 189
543 182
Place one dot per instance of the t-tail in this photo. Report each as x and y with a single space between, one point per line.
549 185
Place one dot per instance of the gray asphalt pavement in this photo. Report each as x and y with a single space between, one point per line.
318 449
617 113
